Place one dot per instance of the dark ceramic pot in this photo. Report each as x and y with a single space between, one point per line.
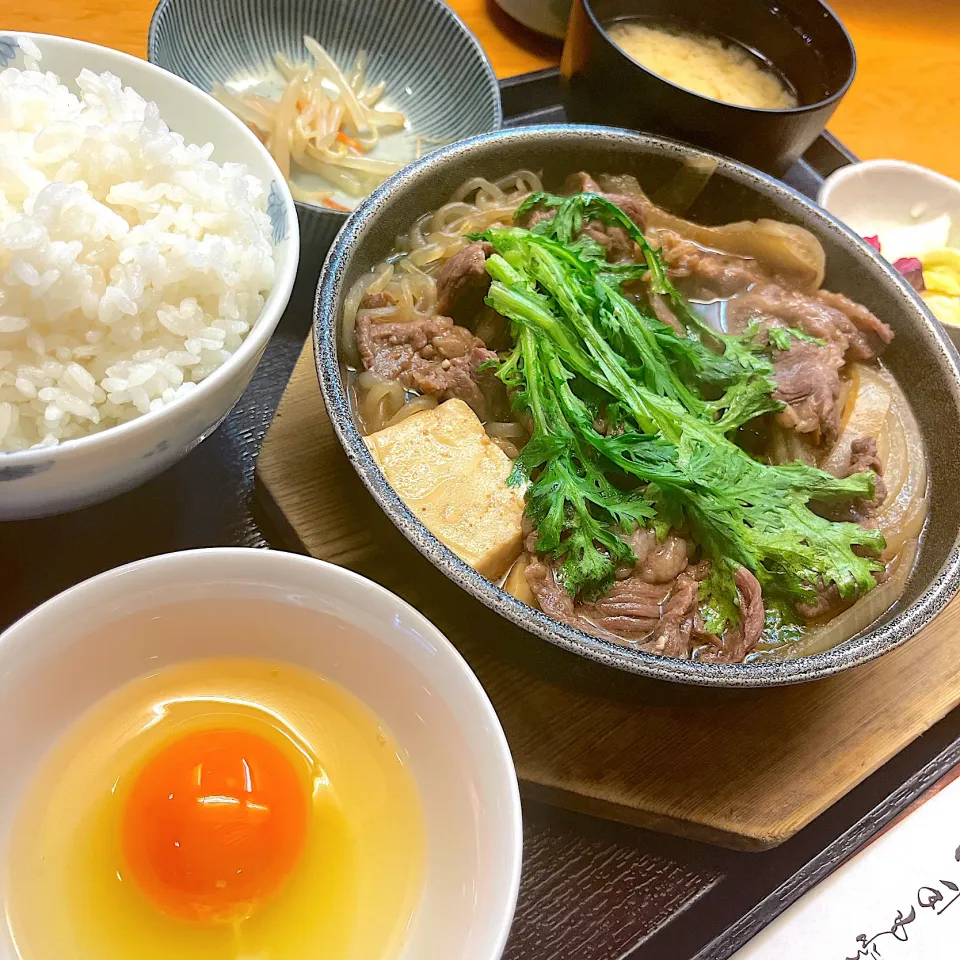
921 357
802 39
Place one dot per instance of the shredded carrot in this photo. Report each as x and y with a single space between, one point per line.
333 205
350 142
257 131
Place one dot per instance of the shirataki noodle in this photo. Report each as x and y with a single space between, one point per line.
409 276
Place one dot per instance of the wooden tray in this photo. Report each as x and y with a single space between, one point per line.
741 769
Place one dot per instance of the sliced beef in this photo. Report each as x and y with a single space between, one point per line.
429 354
752 614
615 241
657 562
679 627
709 275
807 374
818 315
654 605
864 457
463 282
828 604
552 598
661 617
631 610
740 640
581 182
876 333
808 381
537 215
664 313
634 207
760 299
377 301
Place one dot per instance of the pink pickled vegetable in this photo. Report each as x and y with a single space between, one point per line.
874 242
912 270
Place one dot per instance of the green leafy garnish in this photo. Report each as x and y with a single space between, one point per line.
632 422
780 337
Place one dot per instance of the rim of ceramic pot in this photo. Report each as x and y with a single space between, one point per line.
862 648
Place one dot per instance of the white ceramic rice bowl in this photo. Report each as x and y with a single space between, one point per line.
58 661
76 473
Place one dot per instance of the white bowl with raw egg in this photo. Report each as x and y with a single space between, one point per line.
235 753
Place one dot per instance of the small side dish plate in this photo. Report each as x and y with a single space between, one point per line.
435 71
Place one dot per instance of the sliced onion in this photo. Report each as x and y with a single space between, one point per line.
783 248
855 619
879 409
788 446
505 429
904 511
865 414
382 402
683 188
507 446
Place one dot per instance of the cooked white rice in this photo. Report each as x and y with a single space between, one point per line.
131 264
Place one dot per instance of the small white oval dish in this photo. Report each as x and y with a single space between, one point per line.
886 197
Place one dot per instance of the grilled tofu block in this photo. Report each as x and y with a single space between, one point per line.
454 478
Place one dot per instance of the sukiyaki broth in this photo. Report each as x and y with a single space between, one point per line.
663 434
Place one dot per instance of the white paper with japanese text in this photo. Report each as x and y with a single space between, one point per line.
897 899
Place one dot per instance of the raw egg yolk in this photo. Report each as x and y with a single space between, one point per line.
214 825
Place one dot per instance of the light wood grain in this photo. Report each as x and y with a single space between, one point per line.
903 104
745 771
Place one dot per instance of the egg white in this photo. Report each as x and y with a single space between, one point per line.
356 884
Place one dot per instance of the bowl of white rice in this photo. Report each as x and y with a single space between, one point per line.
148 248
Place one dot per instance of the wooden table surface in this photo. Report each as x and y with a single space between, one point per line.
905 102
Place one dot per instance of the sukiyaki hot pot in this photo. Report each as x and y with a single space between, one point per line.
649 404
